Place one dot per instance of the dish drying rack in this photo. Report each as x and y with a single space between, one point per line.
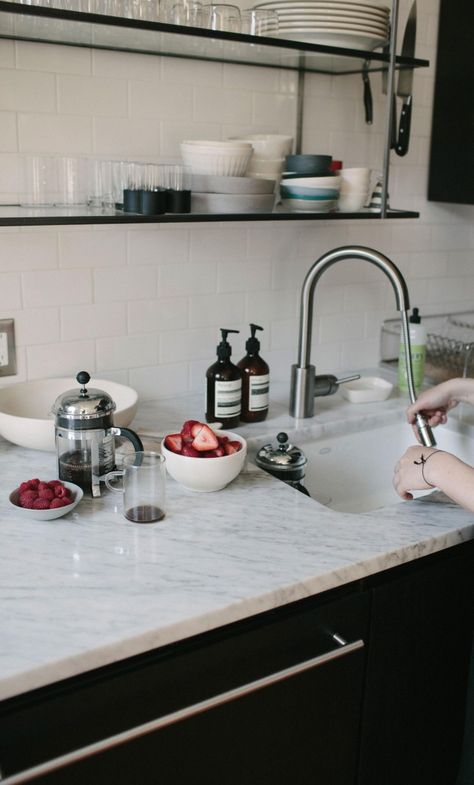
449 344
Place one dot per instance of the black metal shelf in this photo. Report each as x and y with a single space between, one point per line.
22 216
99 31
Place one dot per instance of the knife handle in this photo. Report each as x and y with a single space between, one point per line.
367 99
404 128
393 125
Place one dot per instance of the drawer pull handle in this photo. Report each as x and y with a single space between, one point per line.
29 775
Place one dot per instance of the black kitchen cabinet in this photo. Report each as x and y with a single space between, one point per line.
379 697
452 134
297 727
417 672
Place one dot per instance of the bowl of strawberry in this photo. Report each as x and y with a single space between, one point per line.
45 500
202 459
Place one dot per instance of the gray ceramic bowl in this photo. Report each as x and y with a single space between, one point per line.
308 164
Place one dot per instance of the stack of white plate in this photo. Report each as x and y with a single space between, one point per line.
213 194
332 22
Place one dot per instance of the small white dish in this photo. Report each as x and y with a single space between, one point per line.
48 515
367 389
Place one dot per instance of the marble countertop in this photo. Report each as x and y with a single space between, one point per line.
92 588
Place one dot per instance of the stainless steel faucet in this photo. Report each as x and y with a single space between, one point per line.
304 382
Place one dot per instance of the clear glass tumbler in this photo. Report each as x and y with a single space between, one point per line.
143 486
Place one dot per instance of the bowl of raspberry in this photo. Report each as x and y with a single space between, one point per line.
201 459
45 500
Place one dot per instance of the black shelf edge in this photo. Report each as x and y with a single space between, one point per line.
133 218
297 48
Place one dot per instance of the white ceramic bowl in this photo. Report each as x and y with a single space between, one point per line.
310 205
270 166
47 515
268 145
25 409
208 184
206 474
367 389
213 160
232 203
225 146
301 192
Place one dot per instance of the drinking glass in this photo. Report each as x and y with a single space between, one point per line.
143 486
222 16
39 181
258 21
181 12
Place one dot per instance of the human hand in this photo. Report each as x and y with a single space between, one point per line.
434 404
409 472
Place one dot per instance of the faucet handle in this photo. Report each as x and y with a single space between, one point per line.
327 384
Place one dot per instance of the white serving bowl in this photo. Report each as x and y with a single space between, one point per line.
268 145
206 474
47 515
25 409
208 184
224 146
302 192
216 160
270 166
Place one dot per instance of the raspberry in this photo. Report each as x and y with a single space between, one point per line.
41 504
34 484
28 503
54 503
46 493
54 483
27 496
25 486
61 492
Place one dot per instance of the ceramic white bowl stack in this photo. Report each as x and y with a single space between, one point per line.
310 194
269 152
227 159
215 194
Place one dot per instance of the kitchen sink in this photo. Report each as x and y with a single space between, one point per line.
352 472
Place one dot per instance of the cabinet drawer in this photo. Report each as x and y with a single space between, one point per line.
81 711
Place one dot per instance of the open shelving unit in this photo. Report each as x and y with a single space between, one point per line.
98 31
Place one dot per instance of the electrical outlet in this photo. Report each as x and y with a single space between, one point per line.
7 347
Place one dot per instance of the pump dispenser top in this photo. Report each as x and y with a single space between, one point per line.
224 386
255 380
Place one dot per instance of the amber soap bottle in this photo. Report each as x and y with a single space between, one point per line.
255 381
224 386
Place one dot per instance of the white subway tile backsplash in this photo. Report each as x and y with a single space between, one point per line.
55 134
8 132
165 313
29 250
55 287
162 245
60 359
133 351
98 96
55 59
27 91
124 283
143 304
10 292
91 321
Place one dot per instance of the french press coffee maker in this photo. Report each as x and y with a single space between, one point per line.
85 435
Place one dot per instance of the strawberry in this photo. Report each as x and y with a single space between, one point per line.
217 453
195 429
232 446
186 430
222 439
190 452
205 439
174 442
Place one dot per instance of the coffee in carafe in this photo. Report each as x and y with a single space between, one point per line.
85 435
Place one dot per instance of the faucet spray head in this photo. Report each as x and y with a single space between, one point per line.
426 434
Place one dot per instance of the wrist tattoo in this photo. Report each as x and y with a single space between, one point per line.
422 462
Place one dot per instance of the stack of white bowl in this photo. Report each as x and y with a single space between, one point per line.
310 194
354 193
227 159
269 152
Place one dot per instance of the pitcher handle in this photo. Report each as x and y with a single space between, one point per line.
109 476
131 435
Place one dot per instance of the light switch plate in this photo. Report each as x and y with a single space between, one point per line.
7 347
